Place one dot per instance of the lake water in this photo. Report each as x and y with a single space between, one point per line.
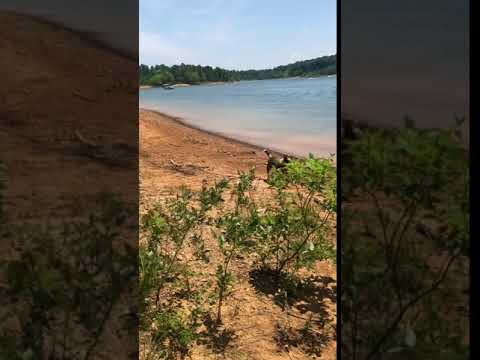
297 116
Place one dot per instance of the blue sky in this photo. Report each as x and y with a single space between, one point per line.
236 34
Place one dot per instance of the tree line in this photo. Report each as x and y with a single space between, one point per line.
159 75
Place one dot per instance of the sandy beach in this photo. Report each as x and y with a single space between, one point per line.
165 139
61 84
173 154
58 85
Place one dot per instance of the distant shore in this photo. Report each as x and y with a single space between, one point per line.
144 87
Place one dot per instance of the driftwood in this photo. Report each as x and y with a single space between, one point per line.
114 154
83 140
192 140
83 97
187 169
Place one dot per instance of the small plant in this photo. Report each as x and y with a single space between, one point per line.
170 327
174 335
294 226
236 229
169 229
289 232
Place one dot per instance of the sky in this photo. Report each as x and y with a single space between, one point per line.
236 34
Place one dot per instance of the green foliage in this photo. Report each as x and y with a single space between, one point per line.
169 327
173 336
250 223
162 75
414 167
416 185
294 227
234 230
65 278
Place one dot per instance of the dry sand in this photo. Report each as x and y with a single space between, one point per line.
164 139
56 83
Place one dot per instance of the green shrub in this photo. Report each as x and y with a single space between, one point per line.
294 226
234 230
64 278
169 229
286 227
413 189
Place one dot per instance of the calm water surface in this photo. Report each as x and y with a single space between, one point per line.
292 115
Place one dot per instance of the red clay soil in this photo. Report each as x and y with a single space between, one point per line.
54 85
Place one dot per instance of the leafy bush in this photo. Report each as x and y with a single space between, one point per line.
294 226
235 230
286 227
169 229
64 282
405 200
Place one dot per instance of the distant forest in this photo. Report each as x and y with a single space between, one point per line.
159 75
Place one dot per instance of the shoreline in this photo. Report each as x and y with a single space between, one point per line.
183 122
144 87
168 146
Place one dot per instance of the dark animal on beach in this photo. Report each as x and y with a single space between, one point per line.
349 132
274 162
352 130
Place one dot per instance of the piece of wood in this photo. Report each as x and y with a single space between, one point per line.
83 140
